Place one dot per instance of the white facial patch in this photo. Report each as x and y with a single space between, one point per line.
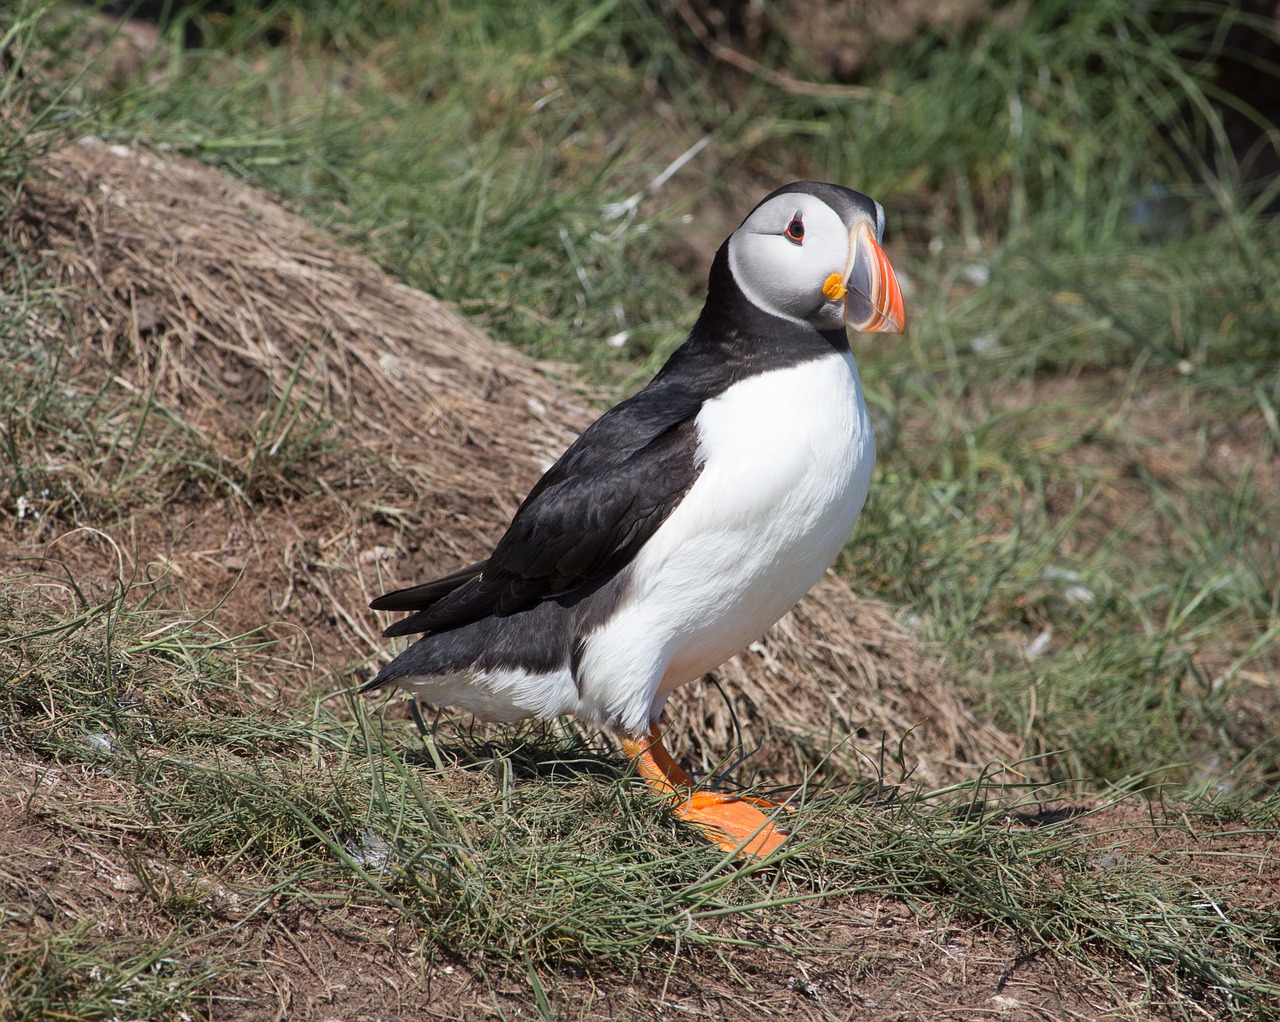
780 275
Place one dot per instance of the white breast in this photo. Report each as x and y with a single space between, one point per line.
788 459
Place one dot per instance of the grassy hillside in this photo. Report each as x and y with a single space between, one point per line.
1075 510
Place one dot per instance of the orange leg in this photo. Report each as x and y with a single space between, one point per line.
730 821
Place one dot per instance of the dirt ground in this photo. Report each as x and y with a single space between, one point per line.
878 957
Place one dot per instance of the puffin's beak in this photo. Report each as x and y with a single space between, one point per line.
874 300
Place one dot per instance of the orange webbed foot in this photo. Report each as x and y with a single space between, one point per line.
735 823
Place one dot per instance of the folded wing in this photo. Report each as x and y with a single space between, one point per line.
583 521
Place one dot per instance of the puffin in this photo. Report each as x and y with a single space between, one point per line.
686 520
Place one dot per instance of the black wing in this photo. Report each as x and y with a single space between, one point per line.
585 519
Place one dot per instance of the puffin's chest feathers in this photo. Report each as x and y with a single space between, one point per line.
792 446
787 459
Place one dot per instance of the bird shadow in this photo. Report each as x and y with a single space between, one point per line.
526 751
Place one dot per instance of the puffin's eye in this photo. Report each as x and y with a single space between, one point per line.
795 229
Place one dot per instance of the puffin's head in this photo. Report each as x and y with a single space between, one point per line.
811 252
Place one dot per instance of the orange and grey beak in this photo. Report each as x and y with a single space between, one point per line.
872 297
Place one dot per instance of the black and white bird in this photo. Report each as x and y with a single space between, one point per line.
686 520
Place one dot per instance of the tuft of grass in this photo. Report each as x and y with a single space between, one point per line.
92 451
282 446
82 447
1063 124
532 848
40 101
474 153
1109 893
1110 610
74 974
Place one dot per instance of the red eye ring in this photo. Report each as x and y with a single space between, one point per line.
795 229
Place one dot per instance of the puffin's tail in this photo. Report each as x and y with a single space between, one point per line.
423 597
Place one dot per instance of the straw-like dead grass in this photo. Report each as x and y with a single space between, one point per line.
248 327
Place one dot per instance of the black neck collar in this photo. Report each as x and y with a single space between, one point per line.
734 338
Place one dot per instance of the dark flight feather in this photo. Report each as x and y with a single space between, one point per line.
424 594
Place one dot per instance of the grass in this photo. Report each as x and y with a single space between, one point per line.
92 452
1008 538
481 181
1074 501
533 849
